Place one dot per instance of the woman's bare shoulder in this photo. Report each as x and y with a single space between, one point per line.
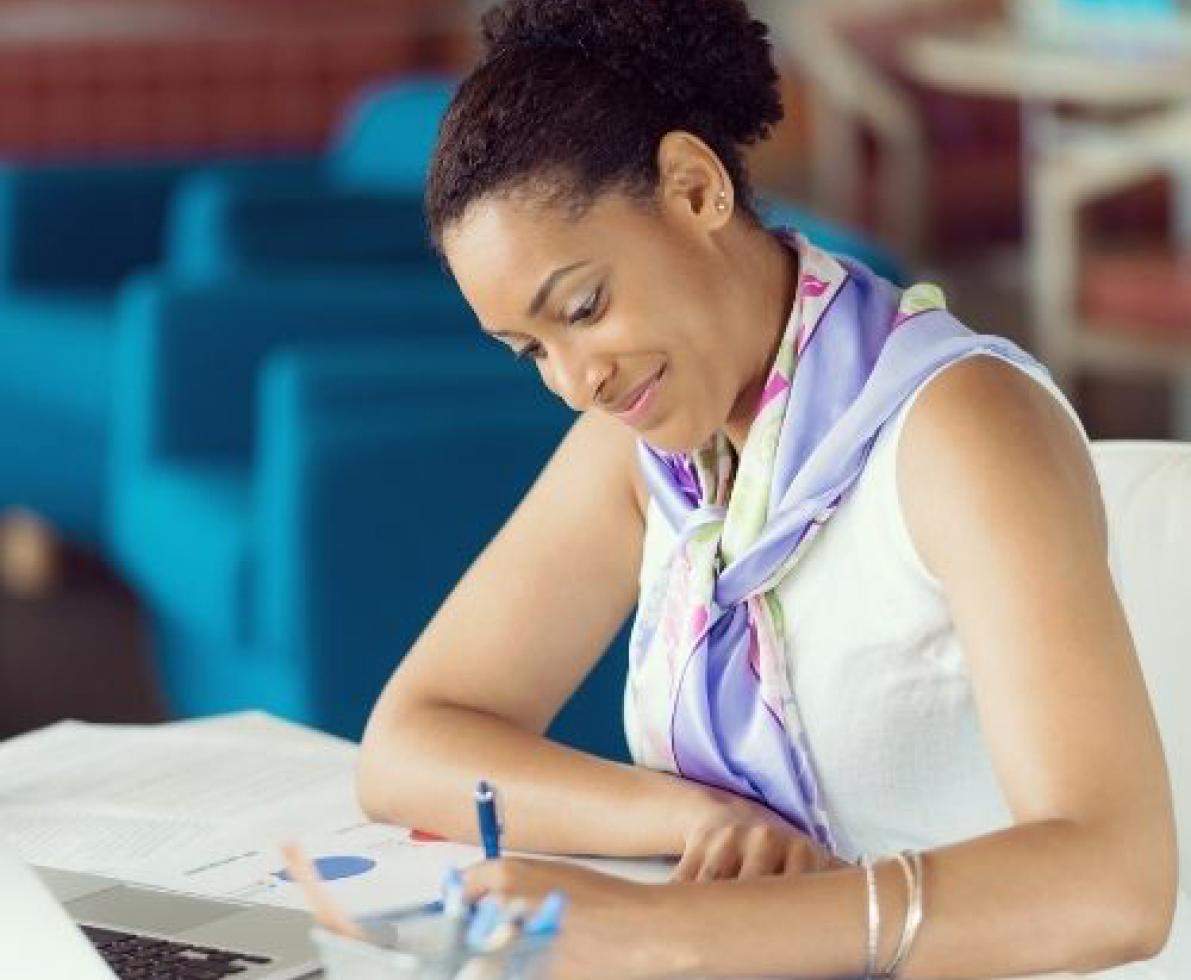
987 442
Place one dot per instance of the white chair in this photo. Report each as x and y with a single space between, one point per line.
1147 496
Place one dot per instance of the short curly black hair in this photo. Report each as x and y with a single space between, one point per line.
572 98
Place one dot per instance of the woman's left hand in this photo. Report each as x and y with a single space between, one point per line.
611 926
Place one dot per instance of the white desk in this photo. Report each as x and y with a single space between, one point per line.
259 730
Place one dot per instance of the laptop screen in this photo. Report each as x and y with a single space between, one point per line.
37 936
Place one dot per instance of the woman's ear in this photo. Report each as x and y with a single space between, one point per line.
694 184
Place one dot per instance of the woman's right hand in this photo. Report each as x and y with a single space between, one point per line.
738 838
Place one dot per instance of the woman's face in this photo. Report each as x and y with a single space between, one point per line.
624 310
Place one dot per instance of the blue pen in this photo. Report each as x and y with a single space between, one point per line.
401 912
489 819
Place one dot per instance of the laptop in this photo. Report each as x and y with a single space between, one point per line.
124 930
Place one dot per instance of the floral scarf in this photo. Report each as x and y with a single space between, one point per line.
709 693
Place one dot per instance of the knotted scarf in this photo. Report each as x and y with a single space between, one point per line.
709 694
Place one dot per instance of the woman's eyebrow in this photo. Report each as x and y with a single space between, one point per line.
543 293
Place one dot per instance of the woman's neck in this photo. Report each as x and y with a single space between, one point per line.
771 267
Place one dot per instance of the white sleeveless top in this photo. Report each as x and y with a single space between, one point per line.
883 688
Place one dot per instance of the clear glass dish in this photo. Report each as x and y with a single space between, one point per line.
422 950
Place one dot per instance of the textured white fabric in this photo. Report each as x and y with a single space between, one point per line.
882 683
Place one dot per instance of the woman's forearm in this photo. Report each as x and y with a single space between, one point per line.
420 770
1037 898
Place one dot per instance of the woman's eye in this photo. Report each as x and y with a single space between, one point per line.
587 310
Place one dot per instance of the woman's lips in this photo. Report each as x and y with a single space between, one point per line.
639 407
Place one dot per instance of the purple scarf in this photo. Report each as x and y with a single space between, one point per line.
708 690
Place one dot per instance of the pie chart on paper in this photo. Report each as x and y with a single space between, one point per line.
335 867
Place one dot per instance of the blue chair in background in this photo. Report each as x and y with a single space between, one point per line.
407 460
388 136
298 355
303 471
359 207
69 234
223 227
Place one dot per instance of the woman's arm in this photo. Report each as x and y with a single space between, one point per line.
510 645
1002 503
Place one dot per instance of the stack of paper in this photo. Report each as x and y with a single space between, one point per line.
203 806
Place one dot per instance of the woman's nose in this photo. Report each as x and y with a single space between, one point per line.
579 378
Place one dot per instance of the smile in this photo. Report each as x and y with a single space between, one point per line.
635 412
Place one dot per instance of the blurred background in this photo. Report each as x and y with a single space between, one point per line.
244 415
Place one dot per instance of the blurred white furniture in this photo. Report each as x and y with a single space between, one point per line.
996 59
1126 313
1045 59
849 97
1147 496
1114 74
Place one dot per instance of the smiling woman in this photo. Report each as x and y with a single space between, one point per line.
637 304
881 688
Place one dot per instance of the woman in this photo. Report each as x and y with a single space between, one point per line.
868 547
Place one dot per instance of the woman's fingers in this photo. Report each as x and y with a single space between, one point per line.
749 845
804 857
764 853
732 852
691 861
722 856
687 865
703 851
478 881
746 853
504 877
326 910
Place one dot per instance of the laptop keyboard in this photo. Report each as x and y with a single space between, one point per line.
133 957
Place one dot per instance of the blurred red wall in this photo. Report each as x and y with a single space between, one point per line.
103 78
